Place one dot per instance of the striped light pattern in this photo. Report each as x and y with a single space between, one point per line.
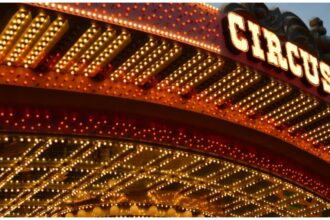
65 177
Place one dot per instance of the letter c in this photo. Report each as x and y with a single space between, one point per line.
236 21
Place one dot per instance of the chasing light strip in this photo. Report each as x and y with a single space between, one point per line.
53 33
28 39
13 30
75 52
108 54
93 51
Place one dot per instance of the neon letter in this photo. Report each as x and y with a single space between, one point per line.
257 51
292 52
274 54
325 72
313 78
236 21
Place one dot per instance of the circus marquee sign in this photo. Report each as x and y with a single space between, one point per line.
266 46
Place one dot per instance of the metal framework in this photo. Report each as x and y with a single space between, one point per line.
54 176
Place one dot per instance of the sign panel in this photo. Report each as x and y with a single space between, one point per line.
260 48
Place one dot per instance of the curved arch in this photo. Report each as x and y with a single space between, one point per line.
181 94
99 116
79 173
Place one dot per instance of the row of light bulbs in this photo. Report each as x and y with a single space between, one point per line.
202 76
100 43
321 128
28 38
132 61
119 43
19 21
170 181
297 111
82 44
151 56
41 184
236 83
46 42
310 120
57 201
218 86
188 77
283 109
21 15
240 86
253 99
133 210
270 98
180 71
159 65
143 148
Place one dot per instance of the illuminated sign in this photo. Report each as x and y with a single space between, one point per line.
264 45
